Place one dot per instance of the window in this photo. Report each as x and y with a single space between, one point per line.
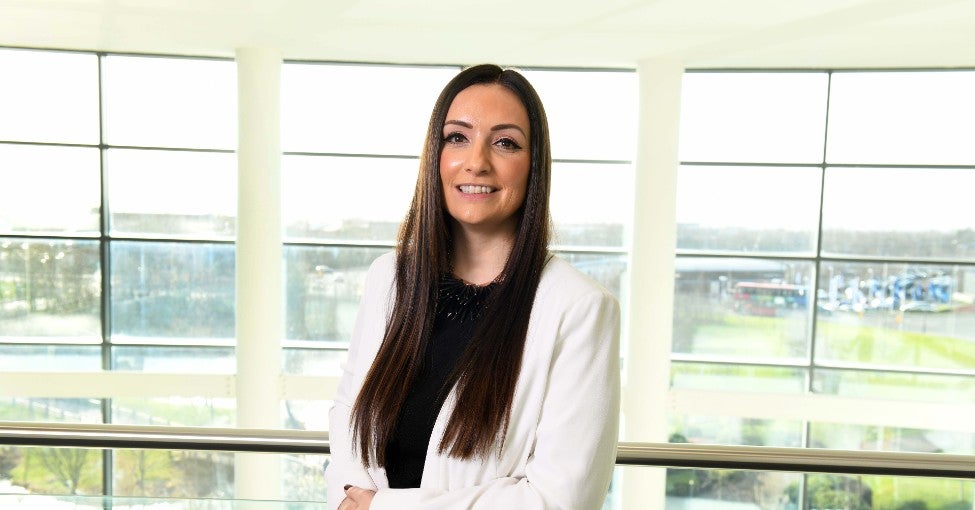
824 246
115 238
347 177
821 258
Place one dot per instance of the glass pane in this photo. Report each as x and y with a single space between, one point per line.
591 114
306 414
48 96
344 198
182 360
958 389
736 378
358 109
53 358
54 410
748 209
169 102
899 492
324 286
49 189
747 309
606 268
587 205
725 489
173 474
50 290
899 212
150 479
923 118
172 193
314 361
303 480
869 437
175 411
733 430
902 315
53 471
76 502
172 292
861 492
753 117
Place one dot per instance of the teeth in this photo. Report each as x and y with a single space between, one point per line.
475 189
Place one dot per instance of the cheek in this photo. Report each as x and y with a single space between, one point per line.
444 170
518 186
449 162
521 176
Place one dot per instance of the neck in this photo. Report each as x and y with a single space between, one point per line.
479 259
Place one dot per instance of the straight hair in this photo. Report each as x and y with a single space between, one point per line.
487 372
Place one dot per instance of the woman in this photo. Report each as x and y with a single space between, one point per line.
483 372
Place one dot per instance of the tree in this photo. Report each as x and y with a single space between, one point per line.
9 459
144 472
836 491
69 465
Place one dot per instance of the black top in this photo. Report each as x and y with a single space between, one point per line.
459 307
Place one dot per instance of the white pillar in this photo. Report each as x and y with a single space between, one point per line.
260 292
651 290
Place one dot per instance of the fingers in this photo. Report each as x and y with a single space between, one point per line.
361 497
348 504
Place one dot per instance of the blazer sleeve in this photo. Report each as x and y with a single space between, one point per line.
344 466
575 448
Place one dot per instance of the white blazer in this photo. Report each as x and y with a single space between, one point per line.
560 447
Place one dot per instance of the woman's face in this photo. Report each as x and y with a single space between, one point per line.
485 159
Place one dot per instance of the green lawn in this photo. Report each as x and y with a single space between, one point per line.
893 493
785 337
868 344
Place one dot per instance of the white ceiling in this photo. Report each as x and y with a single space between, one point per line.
599 33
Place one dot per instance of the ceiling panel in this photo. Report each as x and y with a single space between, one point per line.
607 33
500 13
697 15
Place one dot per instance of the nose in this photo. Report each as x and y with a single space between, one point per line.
478 159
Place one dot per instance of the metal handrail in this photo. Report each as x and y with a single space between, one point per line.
684 455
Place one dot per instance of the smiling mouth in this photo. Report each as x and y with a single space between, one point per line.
470 189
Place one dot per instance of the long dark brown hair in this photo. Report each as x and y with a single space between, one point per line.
486 374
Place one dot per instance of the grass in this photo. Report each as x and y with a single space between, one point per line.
891 493
884 346
785 337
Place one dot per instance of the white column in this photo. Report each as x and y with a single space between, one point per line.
260 292
651 290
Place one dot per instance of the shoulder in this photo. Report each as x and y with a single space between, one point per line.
382 269
380 277
385 263
564 286
563 277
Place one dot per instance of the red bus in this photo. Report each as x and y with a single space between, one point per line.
768 299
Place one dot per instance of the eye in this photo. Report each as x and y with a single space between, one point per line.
454 137
507 143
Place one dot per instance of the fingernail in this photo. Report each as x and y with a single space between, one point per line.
347 486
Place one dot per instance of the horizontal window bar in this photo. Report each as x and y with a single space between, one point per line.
637 454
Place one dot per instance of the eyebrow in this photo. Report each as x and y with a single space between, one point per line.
498 127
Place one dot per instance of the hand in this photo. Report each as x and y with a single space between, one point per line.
348 504
361 498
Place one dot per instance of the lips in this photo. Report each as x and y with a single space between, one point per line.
472 189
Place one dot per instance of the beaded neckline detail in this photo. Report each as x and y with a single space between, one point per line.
462 301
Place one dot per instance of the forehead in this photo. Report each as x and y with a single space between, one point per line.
490 103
